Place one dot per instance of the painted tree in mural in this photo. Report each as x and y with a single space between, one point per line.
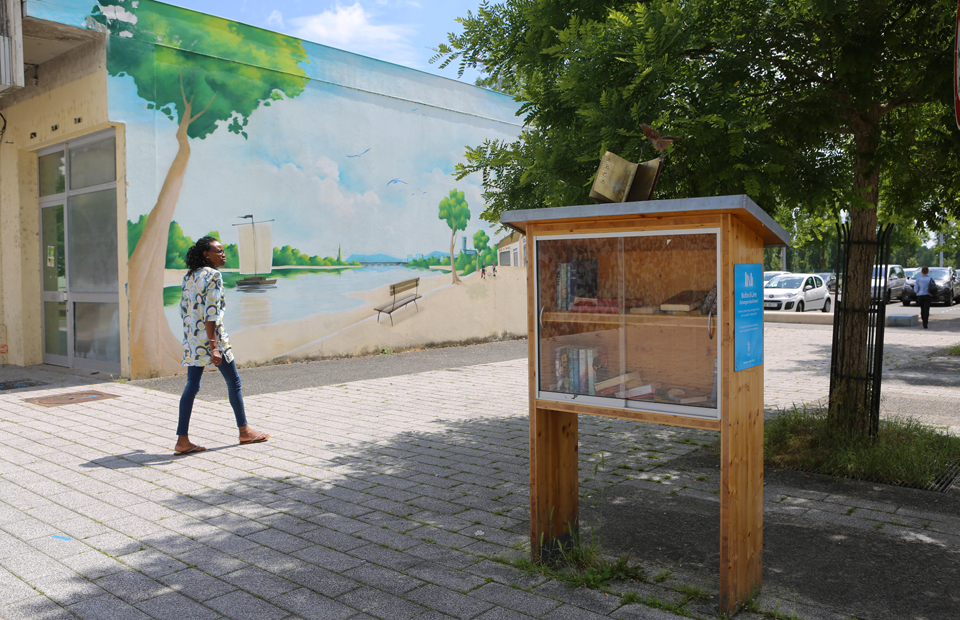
175 59
454 211
481 244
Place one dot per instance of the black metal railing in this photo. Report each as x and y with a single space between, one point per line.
865 385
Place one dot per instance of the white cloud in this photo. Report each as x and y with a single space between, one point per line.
352 29
328 168
118 13
275 20
399 3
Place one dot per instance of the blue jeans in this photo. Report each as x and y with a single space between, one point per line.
194 373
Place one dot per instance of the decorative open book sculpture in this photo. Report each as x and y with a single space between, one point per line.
619 180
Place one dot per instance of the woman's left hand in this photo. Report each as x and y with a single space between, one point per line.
215 356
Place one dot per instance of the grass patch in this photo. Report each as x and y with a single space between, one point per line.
903 452
954 350
579 564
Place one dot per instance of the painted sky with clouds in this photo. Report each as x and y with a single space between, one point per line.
335 167
404 32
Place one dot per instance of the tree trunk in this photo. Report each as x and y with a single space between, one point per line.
154 350
453 266
849 402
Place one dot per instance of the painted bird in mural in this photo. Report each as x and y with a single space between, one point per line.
659 142
358 154
392 181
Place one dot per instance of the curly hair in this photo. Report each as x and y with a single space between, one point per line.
194 258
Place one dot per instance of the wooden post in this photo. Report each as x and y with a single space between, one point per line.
554 458
554 480
741 444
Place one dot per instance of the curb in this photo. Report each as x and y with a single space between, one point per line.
814 317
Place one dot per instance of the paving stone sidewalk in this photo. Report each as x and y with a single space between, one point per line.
388 498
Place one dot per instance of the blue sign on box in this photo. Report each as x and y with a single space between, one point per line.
747 316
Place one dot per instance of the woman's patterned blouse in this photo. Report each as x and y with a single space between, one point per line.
202 301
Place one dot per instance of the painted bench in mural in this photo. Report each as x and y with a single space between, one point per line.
400 298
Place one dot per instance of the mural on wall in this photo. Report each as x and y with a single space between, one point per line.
290 153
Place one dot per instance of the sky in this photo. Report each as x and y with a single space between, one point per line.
405 32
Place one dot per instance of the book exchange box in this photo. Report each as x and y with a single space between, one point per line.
649 311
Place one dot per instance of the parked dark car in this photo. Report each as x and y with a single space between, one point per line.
831 280
948 286
895 283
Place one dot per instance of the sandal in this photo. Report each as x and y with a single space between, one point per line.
261 437
192 450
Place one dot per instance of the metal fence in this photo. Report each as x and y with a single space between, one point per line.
867 384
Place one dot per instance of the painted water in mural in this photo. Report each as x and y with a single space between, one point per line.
299 294
350 160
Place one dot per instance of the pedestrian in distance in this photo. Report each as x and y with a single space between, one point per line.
925 288
205 342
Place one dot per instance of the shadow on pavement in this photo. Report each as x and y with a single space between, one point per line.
331 520
854 571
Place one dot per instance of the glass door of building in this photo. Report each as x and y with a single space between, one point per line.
78 230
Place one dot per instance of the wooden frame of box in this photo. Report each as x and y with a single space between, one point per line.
617 237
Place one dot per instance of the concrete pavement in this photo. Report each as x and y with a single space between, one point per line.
394 497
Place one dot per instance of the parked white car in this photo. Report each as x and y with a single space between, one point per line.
797 292
769 275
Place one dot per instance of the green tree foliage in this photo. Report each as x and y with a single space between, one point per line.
588 74
489 257
465 263
425 263
481 243
177 246
232 252
288 256
176 58
809 106
134 230
455 212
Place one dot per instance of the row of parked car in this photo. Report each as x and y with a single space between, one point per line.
798 292
948 285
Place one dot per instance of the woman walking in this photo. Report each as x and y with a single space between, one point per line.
205 342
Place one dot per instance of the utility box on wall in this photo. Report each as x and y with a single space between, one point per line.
649 311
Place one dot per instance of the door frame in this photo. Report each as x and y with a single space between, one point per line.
53 200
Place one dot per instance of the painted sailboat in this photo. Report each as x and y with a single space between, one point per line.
255 246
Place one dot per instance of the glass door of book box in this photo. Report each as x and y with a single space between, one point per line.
630 321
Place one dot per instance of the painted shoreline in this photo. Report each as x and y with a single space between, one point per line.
174 277
482 309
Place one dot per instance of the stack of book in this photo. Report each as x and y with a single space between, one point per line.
629 385
687 301
601 305
576 368
681 396
575 279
